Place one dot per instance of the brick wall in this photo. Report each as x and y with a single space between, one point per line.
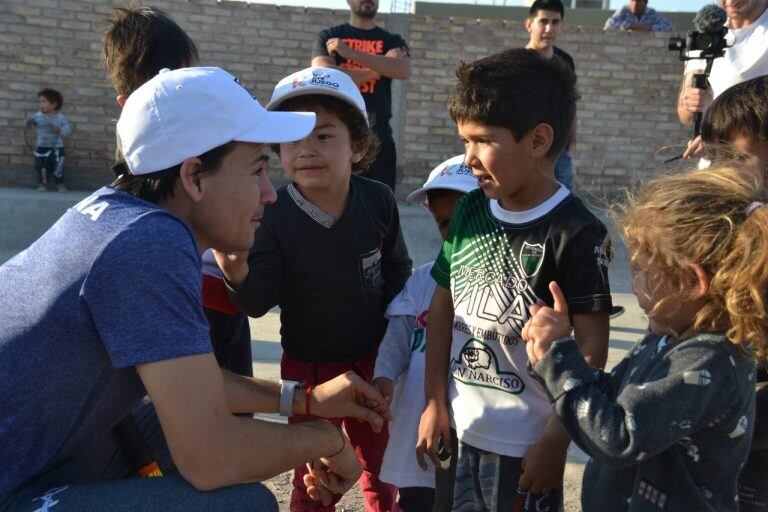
628 82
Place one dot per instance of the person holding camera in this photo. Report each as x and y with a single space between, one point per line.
746 57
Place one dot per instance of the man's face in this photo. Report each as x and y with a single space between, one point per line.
741 9
637 7
544 28
364 8
233 199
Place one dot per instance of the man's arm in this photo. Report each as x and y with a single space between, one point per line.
394 64
435 421
211 447
358 76
344 396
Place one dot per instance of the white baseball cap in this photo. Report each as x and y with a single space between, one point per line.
317 80
186 112
453 174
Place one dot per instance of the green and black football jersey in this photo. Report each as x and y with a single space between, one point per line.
497 264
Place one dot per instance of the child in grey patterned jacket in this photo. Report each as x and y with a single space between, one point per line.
670 427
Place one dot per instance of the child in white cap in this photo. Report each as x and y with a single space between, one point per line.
331 254
399 372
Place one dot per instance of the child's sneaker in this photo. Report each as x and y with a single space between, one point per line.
61 187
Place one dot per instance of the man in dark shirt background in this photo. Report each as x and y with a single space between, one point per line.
545 23
372 57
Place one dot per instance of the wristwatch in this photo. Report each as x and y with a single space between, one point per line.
287 391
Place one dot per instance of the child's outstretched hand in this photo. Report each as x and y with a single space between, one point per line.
385 387
546 324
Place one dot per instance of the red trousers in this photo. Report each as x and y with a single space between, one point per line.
369 446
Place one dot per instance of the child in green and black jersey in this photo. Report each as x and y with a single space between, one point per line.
514 111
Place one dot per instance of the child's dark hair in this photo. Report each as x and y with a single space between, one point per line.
53 96
740 110
156 186
139 43
714 218
546 5
362 137
518 90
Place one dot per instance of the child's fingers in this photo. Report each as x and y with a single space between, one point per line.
536 307
560 305
420 450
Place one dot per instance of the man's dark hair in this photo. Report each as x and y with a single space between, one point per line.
53 96
362 137
546 5
518 90
140 42
740 110
156 186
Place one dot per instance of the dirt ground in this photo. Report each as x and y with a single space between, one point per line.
353 500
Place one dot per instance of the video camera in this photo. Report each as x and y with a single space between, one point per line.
708 42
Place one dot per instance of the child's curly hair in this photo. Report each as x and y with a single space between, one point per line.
708 217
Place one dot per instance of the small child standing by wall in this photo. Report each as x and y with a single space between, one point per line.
399 371
51 127
670 427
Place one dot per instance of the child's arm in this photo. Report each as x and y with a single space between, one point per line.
396 264
394 353
695 390
63 127
435 421
254 283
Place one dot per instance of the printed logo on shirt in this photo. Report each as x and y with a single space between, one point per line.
419 340
91 208
370 268
531 258
478 365
601 256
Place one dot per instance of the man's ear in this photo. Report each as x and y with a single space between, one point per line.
527 24
190 178
540 140
697 281
121 100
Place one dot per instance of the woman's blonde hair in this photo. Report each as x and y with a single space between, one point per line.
710 218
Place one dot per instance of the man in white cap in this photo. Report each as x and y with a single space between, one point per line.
105 307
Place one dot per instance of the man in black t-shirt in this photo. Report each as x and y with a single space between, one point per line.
372 57
545 23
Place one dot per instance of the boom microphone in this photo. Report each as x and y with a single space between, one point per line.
710 18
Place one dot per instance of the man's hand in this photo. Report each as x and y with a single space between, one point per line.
396 53
333 475
694 99
543 467
336 45
696 148
546 325
385 387
234 265
435 424
347 396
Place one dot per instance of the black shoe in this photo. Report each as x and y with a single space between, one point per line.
616 311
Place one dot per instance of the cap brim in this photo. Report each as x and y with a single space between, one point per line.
420 195
278 127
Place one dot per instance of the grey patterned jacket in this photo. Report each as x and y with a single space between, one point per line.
668 429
